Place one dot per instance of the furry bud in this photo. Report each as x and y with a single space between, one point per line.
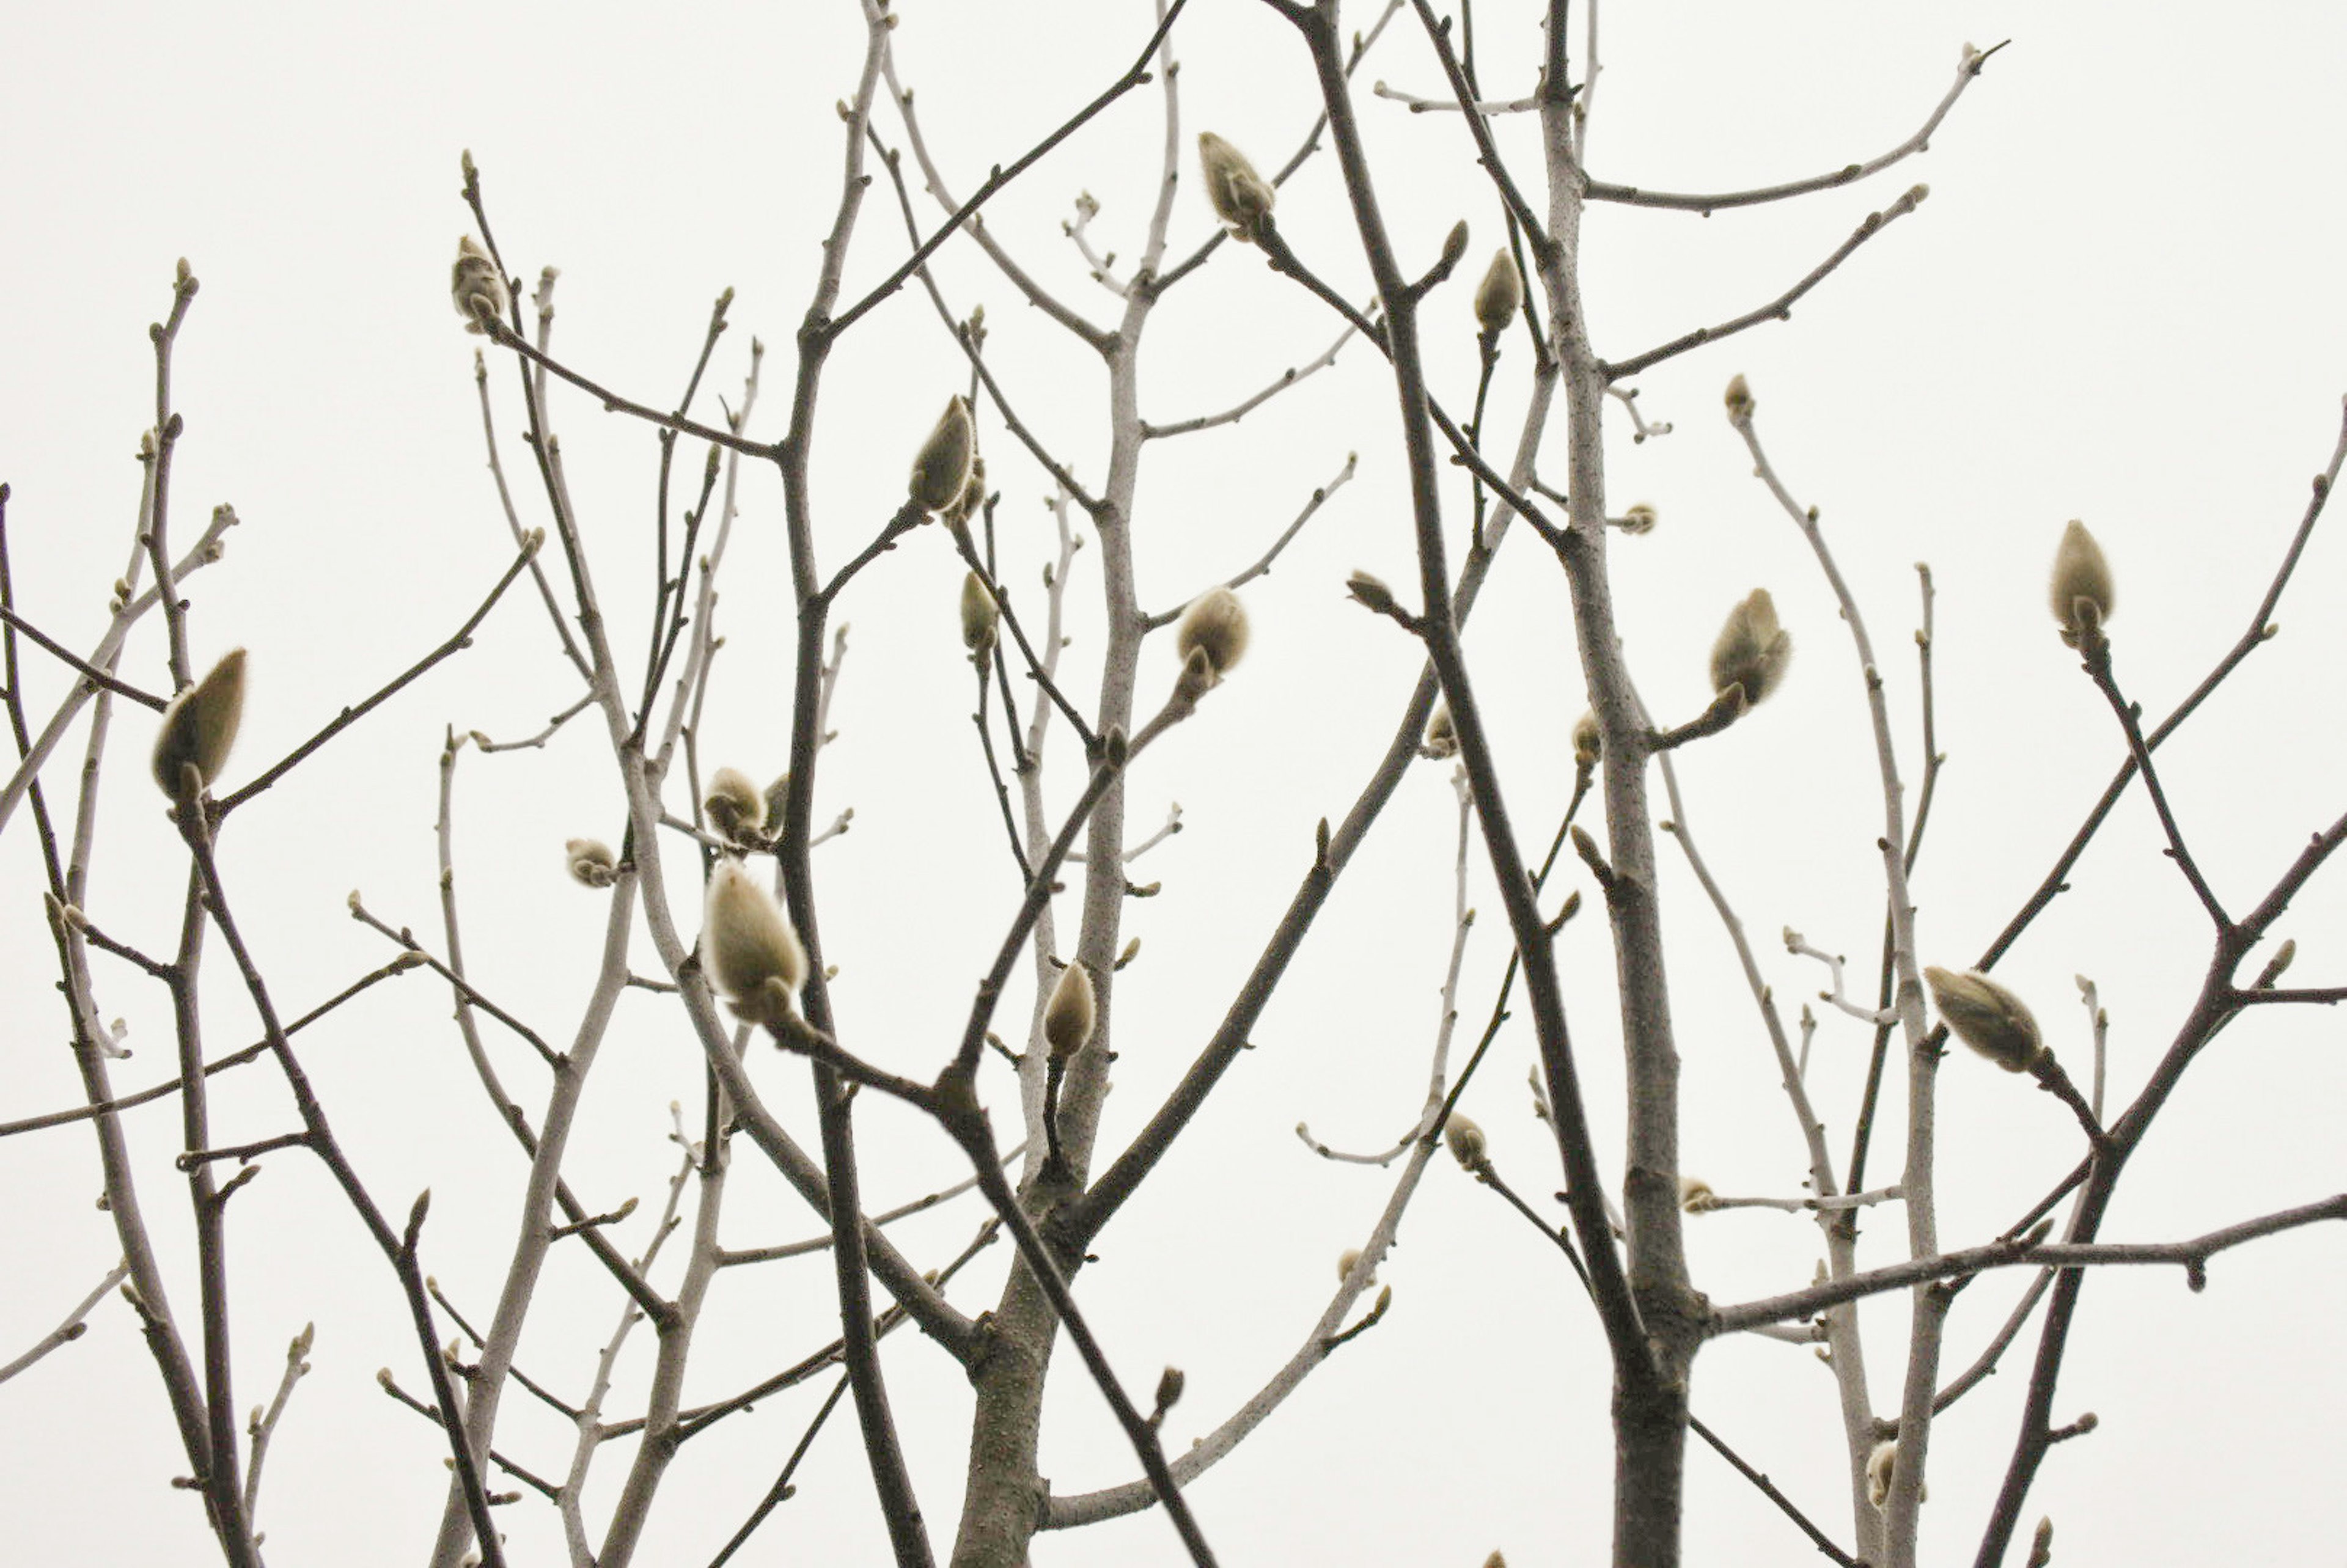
1500 295
1240 197
2040 1545
1638 520
1466 1140
736 807
1069 1016
2081 592
1739 400
1170 1384
941 471
1752 650
1696 1197
1371 592
1215 625
1588 741
749 948
1987 1016
1346 1261
199 725
778 795
592 863
1441 734
978 615
473 283
1454 245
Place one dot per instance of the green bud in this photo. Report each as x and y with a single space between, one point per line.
2081 592
1987 1016
752 956
941 470
199 726
1588 741
1500 295
1240 197
978 615
1752 650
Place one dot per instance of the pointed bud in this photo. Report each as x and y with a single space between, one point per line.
751 952
1240 197
199 725
1215 625
474 285
1441 734
1739 400
592 863
1170 1384
2040 1545
2081 592
1752 650
1500 295
1639 519
1987 1016
1069 1016
1495 1560
778 795
735 807
978 615
1371 591
1588 741
1454 245
1197 679
941 471
1466 1140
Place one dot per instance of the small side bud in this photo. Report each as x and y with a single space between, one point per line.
592 863
474 285
1500 295
978 615
1197 679
1752 650
1069 1016
1170 1384
2081 592
735 807
2040 1545
1215 625
1639 519
1696 1197
1442 735
1881 1466
749 948
1239 195
1588 741
778 795
1739 399
1466 1140
941 470
199 726
1371 591
1987 1016
1346 1261
1454 245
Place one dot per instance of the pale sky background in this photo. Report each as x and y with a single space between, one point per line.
2120 303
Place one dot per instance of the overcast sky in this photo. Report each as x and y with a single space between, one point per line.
2120 303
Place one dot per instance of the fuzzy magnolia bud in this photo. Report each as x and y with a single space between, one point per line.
1216 626
1371 591
1588 741
1752 650
1500 295
978 615
473 283
749 948
2081 593
1441 734
778 795
1639 519
1170 1384
1454 245
1696 1197
1739 399
735 806
1466 1140
592 863
1986 1016
2040 1545
1495 1560
199 726
1069 1016
941 471
1241 198
1346 1261
1880 1464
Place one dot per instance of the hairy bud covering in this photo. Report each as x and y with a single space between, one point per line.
2081 592
1069 1016
592 863
1466 1140
752 954
1216 626
736 807
473 283
1739 399
199 725
1441 734
1752 650
1240 197
1588 741
978 615
941 470
1987 1016
1500 295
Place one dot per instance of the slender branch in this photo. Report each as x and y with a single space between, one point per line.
75 1326
1293 375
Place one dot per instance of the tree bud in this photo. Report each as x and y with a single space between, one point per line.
1240 197
1739 400
1987 1016
1500 295
1752 650
1215 625
1345 1262
2040 1545
1466 1140
592 863
1441 734
1880 1464
199 726
978 615
941 471
1696 1197
778 796
749 948
1639 519
1495 1560
473 283
1371 591
1069 1016
1588 741
1454 245
2081 594
735 807
1170 1384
